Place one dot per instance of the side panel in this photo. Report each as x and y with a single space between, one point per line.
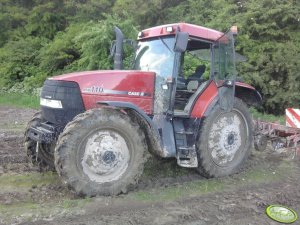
136 87
204 100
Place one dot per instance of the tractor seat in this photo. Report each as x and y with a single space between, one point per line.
192 85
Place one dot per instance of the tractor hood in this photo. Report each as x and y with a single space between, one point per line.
114 85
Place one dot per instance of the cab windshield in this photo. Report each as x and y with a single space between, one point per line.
156 55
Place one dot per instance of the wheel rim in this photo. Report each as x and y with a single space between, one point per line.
228 137
106 156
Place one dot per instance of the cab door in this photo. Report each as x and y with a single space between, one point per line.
225 70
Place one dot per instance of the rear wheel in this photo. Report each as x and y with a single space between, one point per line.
225 141
101 152
39 154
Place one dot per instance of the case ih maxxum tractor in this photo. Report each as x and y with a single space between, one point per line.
97 127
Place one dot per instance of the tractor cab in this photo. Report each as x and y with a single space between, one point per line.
195 76
186 59
195 70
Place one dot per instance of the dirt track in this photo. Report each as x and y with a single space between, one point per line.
166 194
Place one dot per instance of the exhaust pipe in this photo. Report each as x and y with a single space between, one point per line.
118 58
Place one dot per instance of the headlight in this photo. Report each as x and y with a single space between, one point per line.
51 103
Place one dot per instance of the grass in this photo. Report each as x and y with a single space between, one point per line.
9 181
72 203
30 211
19 100
193 188
12 127
163 168
267 117
255 176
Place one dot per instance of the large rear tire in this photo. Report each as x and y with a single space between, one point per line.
225 141
39 154
101 152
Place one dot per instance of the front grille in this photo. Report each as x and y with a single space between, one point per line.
69 94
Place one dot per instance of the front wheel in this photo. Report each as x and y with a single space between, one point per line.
39 154
225 141
101 152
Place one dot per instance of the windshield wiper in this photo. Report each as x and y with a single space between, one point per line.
165 44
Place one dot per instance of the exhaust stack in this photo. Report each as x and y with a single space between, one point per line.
118 57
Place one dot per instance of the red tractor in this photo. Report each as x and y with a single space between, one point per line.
96 127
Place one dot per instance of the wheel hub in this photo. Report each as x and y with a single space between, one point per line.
230 139
106 156
109 157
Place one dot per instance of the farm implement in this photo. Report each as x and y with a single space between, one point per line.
281 136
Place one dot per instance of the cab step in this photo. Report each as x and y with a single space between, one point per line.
184 132
187 156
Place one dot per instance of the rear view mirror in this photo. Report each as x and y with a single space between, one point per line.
181 41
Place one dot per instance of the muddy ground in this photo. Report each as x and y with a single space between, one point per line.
166 193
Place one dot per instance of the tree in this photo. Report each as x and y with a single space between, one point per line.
18 60
46 20
270 32
40 38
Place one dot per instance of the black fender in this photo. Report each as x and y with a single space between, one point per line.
248 95
145 122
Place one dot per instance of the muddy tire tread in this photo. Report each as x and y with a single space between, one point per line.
64 150
206 167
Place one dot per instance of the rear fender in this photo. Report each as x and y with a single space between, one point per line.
206 100
145 122
248 94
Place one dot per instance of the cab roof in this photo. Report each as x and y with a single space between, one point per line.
170 29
